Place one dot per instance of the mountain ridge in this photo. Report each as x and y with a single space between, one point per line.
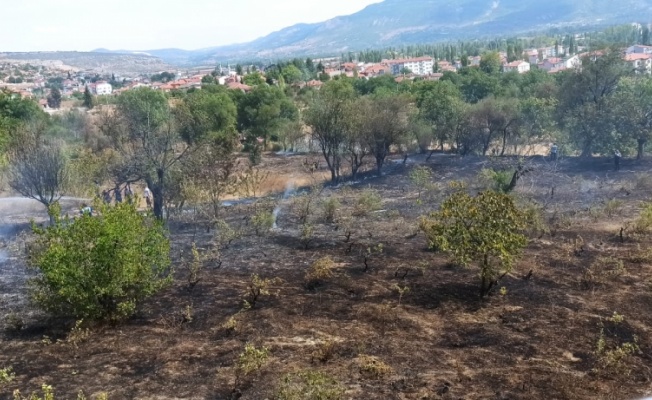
402 22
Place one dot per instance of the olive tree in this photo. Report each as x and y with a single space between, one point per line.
486 229
38 170
153 135
387 123
327 117
585 105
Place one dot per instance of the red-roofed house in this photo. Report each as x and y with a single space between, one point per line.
349 66
641 62
552 63
238 86
532 56
315 84
376 70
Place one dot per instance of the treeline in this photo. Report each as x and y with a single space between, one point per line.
170 141
602 107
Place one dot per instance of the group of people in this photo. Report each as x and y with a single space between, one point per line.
118 196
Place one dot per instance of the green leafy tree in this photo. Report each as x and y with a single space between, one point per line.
632 107
19 110
585 103
440 103
208 80
99 267
17 115
152 137
386 126
263 111
253 79
54 99
477 85
490 119
490 63
88 98
485 229
291 74
327 116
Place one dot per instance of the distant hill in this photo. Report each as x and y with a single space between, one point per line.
100 62
398 22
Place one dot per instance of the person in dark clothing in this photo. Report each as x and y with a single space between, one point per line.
106 197
118 194
129 193
617 157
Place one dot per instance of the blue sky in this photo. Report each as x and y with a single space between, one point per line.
82 25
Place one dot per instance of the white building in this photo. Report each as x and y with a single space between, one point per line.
639 49
418 66
572 62
103 88
519 66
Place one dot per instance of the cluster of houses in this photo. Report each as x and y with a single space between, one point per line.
550 59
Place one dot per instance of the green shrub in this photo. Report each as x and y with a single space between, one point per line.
309 385
258 287
47 393
307 235
318 272
99 267
262 222
368 201
644 221
614 347
496 179
249 361
486 229
330 207
421 177
613 207
6 376
372 367
601 271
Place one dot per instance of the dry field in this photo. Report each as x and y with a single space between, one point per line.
394 321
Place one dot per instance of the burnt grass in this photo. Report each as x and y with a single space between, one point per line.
535 340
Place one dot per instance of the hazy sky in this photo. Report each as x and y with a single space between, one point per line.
33 25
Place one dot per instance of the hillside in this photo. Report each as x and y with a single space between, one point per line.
100 62
398 22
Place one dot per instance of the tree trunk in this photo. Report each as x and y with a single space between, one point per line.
641 148
379 165
157 194
158 191
484 289
502 151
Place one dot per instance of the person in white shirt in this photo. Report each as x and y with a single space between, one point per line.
148 197
553 151
617 157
